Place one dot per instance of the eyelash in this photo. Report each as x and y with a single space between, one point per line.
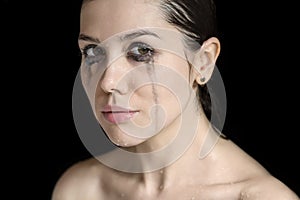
138 52
97 56
84 51
138 56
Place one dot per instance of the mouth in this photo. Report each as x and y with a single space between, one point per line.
116 114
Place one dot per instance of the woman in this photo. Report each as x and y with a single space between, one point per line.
145 69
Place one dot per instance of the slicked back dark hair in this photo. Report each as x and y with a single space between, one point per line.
196 19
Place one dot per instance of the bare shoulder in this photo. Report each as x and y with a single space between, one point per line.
256 183
267 187
79 181
239 164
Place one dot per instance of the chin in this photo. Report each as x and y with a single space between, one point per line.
121 139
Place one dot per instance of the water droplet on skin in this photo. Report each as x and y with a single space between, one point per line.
193 198
245 196
161 187
161 171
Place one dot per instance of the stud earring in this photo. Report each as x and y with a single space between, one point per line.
202 79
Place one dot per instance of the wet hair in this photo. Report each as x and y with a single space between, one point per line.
196 19
85 1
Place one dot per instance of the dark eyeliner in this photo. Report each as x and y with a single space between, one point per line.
86 48
144 52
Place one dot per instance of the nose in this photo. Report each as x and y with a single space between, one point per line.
112 78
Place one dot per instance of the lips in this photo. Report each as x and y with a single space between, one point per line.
116 114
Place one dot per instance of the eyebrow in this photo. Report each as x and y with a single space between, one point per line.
128 36
138 33
88 38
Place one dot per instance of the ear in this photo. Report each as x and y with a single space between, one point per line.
205 60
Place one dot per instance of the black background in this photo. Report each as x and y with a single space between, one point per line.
258 63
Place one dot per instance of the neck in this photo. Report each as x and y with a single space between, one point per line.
192 157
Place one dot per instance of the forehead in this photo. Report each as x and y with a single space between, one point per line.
104 18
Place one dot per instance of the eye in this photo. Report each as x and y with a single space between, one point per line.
140 52
93 54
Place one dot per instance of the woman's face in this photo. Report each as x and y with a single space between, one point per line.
133 69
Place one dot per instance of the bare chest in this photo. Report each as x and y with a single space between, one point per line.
220 192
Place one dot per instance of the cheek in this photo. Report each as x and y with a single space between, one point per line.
147 98
169 101
175 63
